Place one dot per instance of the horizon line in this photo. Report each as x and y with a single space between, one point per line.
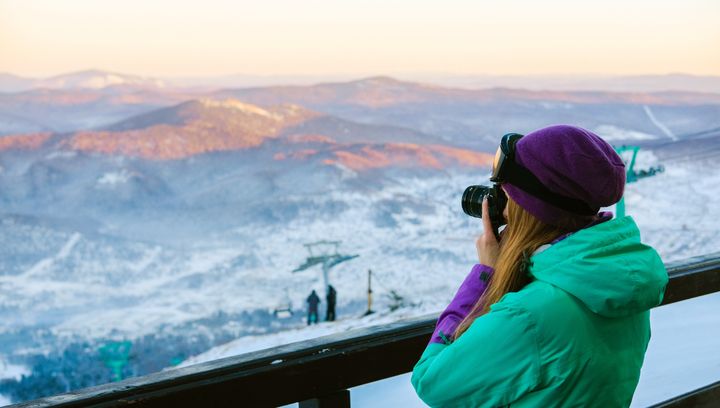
358 75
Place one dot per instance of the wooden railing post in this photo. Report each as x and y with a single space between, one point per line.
339 399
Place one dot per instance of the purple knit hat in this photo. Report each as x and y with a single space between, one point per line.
570 161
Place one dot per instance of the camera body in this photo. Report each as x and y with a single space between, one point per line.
472 200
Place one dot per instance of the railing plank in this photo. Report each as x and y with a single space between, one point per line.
321 366
692 277
705 397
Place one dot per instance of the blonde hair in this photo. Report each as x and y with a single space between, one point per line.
523 235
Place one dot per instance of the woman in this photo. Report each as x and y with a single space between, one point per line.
557 313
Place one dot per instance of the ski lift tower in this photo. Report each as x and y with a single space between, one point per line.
116 354
326 259
631 174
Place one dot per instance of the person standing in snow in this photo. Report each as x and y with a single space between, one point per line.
556 314
313 300
331 298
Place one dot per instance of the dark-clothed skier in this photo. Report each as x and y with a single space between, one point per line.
331 298
313 301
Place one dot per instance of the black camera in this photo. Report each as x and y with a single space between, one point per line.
472 200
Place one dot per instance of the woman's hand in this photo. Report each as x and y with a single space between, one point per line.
487 246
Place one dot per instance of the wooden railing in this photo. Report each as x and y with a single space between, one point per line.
318 372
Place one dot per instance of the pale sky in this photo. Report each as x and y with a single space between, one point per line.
364 37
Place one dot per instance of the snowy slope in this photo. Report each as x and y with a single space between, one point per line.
249 344
412 234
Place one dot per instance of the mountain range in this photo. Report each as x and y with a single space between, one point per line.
458 117
160 150
95 78
206 126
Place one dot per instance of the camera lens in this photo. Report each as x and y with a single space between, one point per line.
472 200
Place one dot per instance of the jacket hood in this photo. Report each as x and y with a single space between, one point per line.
606 267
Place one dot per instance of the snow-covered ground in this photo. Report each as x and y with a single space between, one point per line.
683 351
614 134
12 371
247 344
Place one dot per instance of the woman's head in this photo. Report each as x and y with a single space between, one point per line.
569 161
572 162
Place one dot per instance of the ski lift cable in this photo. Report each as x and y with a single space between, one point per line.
686 158
708 152
377 281
713 151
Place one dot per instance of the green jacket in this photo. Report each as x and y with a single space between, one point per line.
574 337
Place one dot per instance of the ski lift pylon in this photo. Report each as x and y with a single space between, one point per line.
327 261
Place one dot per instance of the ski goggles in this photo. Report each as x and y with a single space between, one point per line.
507 170
504 154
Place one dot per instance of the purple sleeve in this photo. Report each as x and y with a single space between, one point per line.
470 290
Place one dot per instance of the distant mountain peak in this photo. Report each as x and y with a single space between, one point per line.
231 103
200 108
97 79
86 72
380 80
193 127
